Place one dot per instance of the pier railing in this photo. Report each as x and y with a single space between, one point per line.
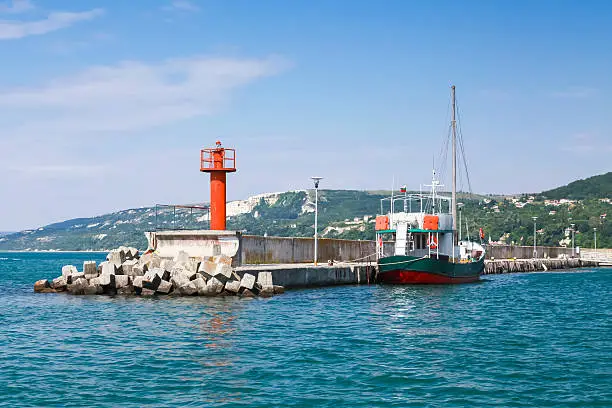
181 217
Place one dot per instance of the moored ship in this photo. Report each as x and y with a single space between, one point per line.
427 248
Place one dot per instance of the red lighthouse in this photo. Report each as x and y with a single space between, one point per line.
218 162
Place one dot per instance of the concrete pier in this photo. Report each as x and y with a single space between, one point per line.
308 275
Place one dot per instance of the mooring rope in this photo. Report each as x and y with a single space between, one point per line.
406 262
355 260
390 263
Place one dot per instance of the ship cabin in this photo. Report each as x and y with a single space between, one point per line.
420 225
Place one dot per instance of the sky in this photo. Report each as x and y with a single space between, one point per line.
105 105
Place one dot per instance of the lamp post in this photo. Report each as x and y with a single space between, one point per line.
316 238
573 247
535 252
595 243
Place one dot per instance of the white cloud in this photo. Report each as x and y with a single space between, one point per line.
13 29
133 95
16 6
182 5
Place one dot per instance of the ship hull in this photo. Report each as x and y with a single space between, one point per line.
409 270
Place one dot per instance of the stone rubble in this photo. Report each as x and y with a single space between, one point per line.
127 272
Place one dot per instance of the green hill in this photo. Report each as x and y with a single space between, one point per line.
347 214
593 187
281 214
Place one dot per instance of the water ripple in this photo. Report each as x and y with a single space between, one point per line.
514 340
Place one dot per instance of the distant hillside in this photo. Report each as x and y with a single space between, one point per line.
593 187
347 214
282 214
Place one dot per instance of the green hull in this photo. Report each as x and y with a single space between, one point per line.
410 269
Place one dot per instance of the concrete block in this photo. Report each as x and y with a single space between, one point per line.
192 265
151 283
222 259
266 291
246 293
68 270
108 268
167 264
181 257
137 283
104 279
78 286
147 292
93 290
182 271
232 286
75 276
223 272
155 261
164 287
128 267
145 258
126 290
178 281
265 279
90 269
121 281
164 275
116 256
278 289
42 284
247 281
59 283
188 290
130 253
208 269
150 260
200 285
138 270
214 286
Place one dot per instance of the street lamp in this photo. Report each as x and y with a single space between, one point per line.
316 238
595 243
573 247
535 252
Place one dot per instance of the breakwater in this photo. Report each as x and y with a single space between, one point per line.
126 272
181 266
497 266
255 249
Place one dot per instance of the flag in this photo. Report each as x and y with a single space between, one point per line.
403 189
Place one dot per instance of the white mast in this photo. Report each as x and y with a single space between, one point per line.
454 136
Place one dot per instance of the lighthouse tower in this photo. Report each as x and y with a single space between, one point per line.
218 161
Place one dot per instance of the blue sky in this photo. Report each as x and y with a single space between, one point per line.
105 104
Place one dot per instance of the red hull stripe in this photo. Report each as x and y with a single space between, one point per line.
414 277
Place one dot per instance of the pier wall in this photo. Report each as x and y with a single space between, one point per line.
268 250
293 276
256 249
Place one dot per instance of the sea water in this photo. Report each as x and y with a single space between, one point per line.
539 339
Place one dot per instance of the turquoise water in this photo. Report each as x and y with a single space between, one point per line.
515 340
